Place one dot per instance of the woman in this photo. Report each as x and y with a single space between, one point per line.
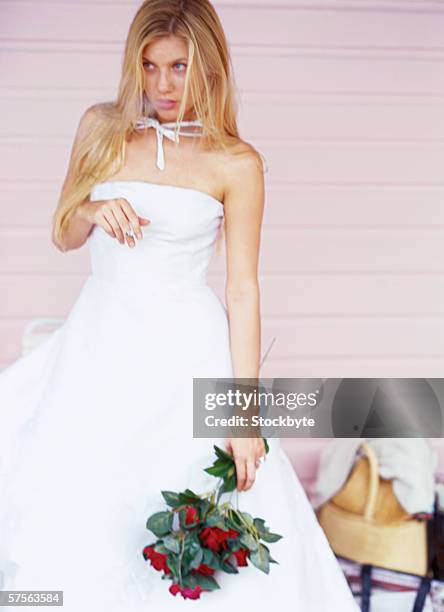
98 418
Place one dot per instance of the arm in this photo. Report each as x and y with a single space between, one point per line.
244 206
79 227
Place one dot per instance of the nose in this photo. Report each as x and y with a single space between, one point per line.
164 83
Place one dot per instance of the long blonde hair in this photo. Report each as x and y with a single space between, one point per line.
209 79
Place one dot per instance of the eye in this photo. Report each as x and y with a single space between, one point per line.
182 66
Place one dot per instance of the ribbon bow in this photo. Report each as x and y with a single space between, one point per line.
166 129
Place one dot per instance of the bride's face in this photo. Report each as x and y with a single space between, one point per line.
165 64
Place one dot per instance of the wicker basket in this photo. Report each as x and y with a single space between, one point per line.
365 523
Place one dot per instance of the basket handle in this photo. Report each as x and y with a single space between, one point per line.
374 480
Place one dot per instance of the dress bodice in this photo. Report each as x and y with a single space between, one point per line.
177 245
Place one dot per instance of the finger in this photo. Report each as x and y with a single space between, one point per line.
260 450
105 225
251 474
259 461
133 219
241 473
122 222
114 224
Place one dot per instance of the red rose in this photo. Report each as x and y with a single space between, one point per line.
191 593
186 592
158 560
215 538
241 556
208 536
174 588
192 515
204 569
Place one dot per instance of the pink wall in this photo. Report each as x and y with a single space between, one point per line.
345 100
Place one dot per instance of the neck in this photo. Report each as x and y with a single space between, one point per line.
173 120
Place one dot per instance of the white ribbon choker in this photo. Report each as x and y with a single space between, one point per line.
167 129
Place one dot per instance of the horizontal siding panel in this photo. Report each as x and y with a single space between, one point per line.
388 250
32 251
286 26
304 455
38 296
339 120
349 337
366 206
313 119
404 251
355 367
329 71
400 6
29 250
308 162
347 296
305 296
336 163
382 338
32 205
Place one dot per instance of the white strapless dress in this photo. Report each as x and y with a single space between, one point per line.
97 420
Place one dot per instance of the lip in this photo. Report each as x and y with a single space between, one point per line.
165 103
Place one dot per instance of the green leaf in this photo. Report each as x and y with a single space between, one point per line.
248 541
189 580
260 525
160 523
247 517
172 543
222 454
188 497
264 532
197 559
160 548
270 537
171 498
215 519
218 470
229 483
182 519
236 518
267 448
203 506
233 525
228 567
173 563
208 583
261 558
192 552
210 558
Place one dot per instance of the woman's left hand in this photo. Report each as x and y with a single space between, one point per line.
246 453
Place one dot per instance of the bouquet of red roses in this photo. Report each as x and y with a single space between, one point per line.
199 536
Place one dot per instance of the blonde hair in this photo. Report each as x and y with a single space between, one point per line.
101 149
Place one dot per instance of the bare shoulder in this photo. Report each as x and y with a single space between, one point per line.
92 115
242 157
243 169
88 120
